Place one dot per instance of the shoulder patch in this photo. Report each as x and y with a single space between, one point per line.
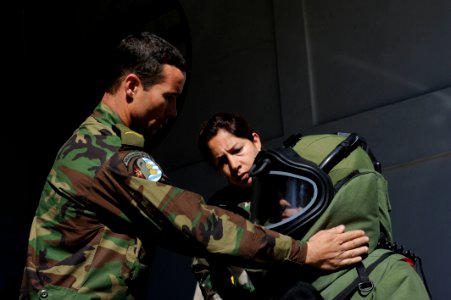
142 165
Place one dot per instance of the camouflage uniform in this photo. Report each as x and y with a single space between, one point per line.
106 203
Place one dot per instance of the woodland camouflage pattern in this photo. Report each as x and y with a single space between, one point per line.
99 219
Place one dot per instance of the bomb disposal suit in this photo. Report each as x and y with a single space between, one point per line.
319 182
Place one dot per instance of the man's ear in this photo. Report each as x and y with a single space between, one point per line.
132 83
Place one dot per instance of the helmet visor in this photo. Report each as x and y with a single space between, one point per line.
282 196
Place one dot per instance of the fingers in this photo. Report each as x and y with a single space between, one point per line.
344 259
355 242
353 234
351 239
334 248
347 261
338 229
353 250
352 256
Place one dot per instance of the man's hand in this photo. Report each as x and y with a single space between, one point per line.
334 248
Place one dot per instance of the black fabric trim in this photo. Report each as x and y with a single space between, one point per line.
351 288
346 179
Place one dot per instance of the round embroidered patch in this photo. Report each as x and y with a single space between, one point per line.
150 170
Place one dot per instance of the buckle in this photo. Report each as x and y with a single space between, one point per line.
365 287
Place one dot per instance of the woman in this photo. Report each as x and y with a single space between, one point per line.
231 146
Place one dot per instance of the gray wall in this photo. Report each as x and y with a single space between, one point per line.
379 68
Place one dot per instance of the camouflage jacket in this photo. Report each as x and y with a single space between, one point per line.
105 205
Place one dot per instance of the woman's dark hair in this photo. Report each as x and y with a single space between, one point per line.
231 122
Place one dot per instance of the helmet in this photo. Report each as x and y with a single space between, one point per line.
292 187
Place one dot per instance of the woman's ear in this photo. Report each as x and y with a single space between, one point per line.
256 140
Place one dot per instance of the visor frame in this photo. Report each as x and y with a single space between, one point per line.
286 161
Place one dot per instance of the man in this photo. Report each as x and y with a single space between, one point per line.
106 203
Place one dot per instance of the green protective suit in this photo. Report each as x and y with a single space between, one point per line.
360 201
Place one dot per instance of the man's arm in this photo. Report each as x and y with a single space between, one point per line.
223 232
196 229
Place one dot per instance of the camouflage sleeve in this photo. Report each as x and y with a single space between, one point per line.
210 228
219 281
218 230
201 270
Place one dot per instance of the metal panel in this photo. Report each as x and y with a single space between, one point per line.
381 68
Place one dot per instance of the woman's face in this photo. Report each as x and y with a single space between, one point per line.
234 156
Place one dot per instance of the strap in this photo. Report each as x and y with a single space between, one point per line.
365 285
362 283
292 140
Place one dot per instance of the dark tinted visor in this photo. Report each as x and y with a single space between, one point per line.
282 197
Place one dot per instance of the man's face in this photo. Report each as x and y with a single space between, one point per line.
152 108
234 156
